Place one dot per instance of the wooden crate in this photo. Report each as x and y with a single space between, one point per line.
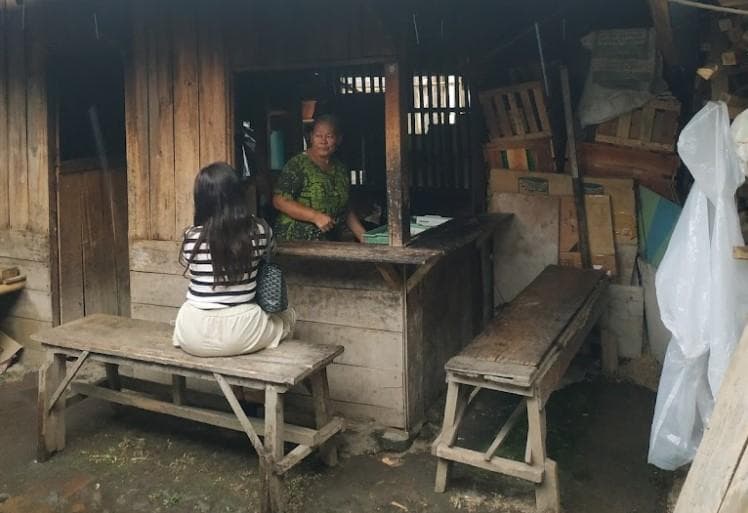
516 113
655 170
528 155
653 127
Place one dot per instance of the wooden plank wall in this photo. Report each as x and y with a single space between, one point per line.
303 34
178 99
444 313
24 167
351 305
337 303
177 105
177 112
24 172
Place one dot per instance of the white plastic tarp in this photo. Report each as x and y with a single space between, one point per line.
699 290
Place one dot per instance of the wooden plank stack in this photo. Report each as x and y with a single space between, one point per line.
718 479
723 74
519 127
611 213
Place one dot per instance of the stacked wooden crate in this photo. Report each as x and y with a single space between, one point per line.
638 145
518 126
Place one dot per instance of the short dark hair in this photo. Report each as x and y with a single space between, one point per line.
328 119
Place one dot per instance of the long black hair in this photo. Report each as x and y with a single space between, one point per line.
228 226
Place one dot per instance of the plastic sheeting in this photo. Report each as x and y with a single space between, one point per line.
698 290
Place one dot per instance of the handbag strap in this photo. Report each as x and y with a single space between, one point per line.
271 241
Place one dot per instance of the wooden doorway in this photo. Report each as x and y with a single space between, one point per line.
91 184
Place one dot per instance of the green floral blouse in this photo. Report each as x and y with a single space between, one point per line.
305 182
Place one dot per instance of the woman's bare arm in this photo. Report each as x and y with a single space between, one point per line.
303 213
355 225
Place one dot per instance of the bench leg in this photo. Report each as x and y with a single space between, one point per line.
608 347
112 376
51 425
450 413
178 385
547 498
273 496
321 397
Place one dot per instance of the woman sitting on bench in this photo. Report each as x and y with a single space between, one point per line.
221 253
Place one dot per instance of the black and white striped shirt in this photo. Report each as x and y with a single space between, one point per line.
202 291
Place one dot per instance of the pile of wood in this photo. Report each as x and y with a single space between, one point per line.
611 216
520 156
723 74
638 147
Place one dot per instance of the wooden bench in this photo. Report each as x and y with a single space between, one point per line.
524 351
116 341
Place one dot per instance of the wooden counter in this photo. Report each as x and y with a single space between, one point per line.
433 243
400 313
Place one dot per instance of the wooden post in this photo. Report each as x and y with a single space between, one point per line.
486 269
112 376
178 386
660 11
584 247
450 416
273 498
546 493
396 133
321 398
608 346
51 424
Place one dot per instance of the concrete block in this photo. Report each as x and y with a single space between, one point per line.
657 334
626 319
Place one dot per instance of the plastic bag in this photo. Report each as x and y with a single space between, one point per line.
739 132
698 290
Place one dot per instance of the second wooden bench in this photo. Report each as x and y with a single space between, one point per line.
524 351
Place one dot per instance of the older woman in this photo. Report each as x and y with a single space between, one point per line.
312 190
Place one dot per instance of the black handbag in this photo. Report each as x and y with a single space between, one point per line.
271 293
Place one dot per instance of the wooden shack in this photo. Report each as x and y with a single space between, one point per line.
95 200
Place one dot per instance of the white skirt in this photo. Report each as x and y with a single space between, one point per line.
230 331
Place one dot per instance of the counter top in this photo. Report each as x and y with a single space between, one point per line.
431 244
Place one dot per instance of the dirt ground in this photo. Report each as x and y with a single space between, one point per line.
138 462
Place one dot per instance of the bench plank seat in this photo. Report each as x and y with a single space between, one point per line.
514 344
150 342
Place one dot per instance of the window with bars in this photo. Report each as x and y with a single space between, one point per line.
438 126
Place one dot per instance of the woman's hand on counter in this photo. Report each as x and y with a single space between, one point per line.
324 222
301 212
355 226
